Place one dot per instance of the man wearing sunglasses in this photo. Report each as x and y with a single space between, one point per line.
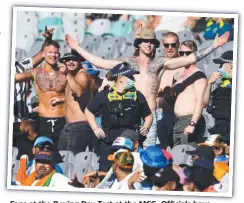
165 122
151 69
188 88
77 134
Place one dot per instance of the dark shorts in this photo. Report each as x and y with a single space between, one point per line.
178 131
77 137
51 127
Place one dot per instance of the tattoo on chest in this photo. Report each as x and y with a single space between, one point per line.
50 81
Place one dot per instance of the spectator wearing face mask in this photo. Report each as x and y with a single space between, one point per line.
219 101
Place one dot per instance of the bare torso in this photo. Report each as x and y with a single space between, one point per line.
148 81
49 85
186 101
74 106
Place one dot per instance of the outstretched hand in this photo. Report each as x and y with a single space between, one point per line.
74 182
220 41
72 43
48 33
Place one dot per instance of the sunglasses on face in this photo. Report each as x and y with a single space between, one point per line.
183 53
173 45
148 41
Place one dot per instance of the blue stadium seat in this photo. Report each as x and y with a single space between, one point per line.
44 14
185 35
159 52
25 40
29 20
120 28
67 156
119 42
67 168
160 34
20 54
111 50
129 51
130 38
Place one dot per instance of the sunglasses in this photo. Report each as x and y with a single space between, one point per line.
173 45
183 53
151 41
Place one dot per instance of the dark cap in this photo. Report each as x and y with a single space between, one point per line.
44 156
123 69
225 139
163 176
203 163
131 134
203 151
73 55
226 57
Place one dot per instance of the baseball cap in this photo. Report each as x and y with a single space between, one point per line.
123 159
73 55
212 141
40 140
203 151
90 68
131 134
44 156
203 163
153 157
122 142
163 176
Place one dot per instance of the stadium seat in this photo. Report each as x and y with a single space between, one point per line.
25 40
74 27
19 54
67 168
99 27
29 20
74 16
67 156
159 52
15 152
120 28
15 168
160 34
51 22
91 43
119 42
129 51
179 155
185 35
44 14
64 48
85 162
108 51
130 38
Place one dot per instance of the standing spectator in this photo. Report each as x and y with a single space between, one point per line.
188 88
219 101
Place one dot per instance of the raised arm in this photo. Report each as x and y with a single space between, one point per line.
97 61
20 77
197 55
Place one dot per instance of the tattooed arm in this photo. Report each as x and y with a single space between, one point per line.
27 75
197 55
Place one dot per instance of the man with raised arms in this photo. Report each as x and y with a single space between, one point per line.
151 68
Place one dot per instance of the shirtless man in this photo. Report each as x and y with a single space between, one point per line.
77 134
49 84
188 88
151 68
165 113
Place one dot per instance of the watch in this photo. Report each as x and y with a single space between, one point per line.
192 123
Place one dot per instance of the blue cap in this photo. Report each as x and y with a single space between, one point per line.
204 163
123 69
91 71
153 157
40 140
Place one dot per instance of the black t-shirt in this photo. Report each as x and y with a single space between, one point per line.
100 103
25 145
111 17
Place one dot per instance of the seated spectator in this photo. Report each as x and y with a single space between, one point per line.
45 174
200 177
41 144
166 179
219 101
29 128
